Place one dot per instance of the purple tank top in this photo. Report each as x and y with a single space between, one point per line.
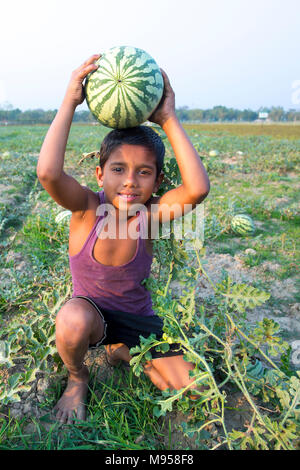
113 287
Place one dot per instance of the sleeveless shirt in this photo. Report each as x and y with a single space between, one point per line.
114 287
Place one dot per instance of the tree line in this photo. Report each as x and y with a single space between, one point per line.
216 114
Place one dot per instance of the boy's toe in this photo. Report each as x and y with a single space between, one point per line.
63 417
81 412
70 417
58 413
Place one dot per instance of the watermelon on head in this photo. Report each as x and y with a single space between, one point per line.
125 89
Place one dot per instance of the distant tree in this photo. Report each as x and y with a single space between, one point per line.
195 114
231 114
216 114
49 116
183 113
277 114
219 113
292 115
264 109
248 115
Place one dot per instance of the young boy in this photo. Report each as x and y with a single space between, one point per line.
109 305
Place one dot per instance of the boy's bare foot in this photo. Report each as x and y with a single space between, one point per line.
73 398
117 353
114 353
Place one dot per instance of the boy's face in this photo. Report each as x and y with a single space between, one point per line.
129 169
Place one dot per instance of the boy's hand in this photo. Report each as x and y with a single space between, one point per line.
75 92
166 107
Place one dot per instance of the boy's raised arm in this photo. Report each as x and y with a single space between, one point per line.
64 189
195 182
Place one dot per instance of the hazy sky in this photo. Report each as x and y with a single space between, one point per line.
236 53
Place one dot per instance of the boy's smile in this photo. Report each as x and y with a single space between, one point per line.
128 176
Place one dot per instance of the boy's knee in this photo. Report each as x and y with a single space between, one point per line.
72 320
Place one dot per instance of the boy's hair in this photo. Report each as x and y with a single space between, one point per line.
141 135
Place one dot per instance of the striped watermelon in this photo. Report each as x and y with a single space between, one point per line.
125 89
62 215
242 224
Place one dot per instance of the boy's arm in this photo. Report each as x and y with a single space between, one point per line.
64 189
195 182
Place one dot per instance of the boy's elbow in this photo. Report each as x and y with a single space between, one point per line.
40 173
203 196
46 175
203 193
41 176
206 188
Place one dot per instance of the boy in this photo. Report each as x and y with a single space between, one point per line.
106 308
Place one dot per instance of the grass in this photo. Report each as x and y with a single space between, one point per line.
261 182
117 420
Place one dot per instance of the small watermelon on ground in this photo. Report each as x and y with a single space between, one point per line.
242 224
125 89
62 215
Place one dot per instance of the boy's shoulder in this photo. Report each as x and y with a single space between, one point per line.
154 200
93 201
151 210
151 204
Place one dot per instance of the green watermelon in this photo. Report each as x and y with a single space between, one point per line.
242 224
62 215
125 89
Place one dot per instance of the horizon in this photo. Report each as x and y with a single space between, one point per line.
7 107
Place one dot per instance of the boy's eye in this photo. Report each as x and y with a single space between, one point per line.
142 171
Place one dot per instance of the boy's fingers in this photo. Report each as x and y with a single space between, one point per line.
85 70
91 59
165 76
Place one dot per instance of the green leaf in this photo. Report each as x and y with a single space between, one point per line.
157 411
283 396
14 379
148 356
242 296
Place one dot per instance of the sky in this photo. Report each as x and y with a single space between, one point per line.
235 53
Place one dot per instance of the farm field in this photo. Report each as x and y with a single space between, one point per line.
279 130
238 295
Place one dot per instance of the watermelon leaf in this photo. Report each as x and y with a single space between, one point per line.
242 296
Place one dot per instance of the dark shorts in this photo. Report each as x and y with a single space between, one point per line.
122 327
